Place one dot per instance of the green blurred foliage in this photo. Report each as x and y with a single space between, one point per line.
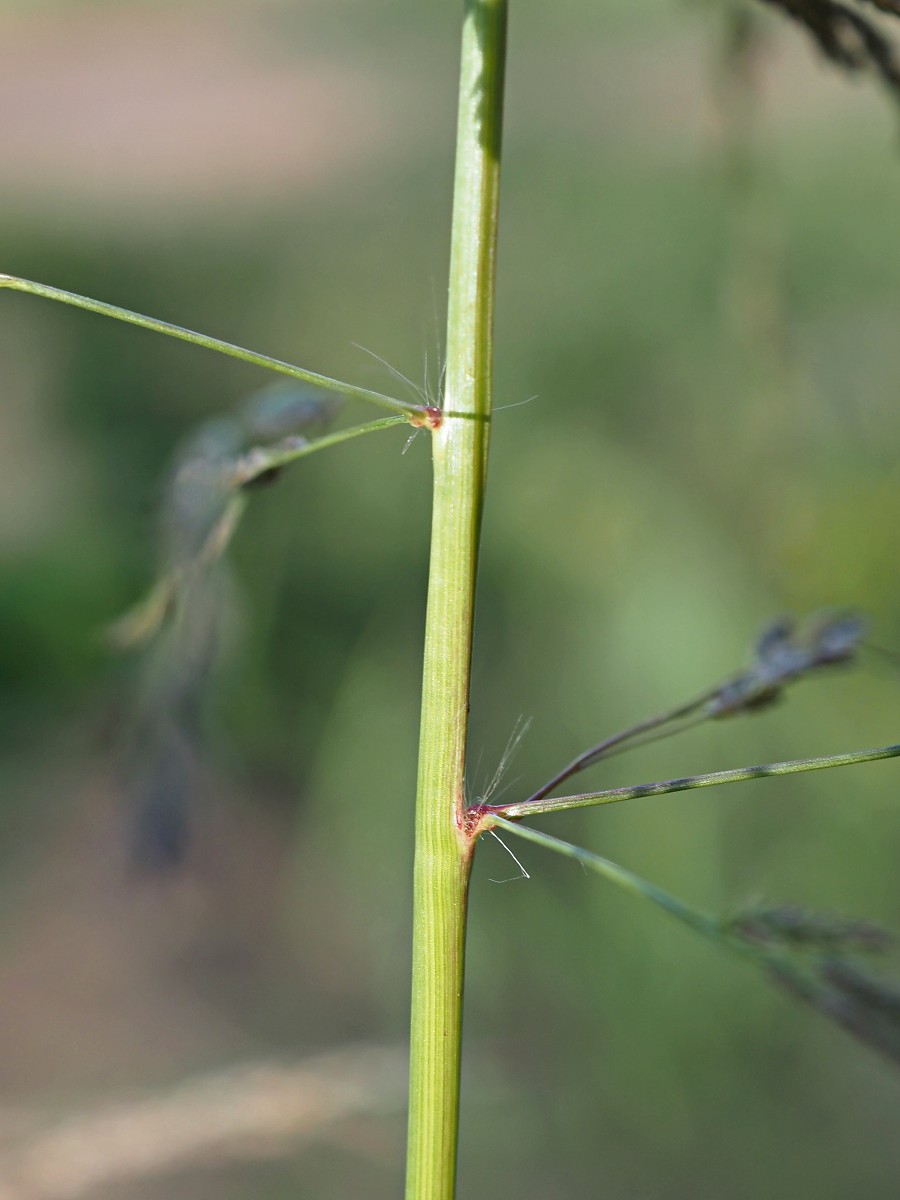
684 469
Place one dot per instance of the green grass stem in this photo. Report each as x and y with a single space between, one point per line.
460 447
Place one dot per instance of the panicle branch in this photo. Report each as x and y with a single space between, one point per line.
814 956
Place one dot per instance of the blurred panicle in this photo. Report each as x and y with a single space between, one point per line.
180 627
849 37
785 654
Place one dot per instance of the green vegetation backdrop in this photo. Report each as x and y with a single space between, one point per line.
701 310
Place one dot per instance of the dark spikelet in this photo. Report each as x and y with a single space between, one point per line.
793 926
783 654
160 833
848 38
878 994
264 479
835 639
887 6
866 1007
253 468
812 955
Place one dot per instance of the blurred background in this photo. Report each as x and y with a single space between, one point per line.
699 298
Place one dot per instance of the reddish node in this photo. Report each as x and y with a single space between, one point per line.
428 417
472 818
